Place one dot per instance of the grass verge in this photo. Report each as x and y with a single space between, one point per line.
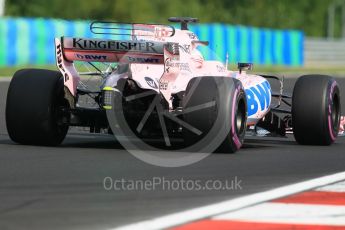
9 71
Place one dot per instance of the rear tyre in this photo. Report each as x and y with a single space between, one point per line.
34 99
316 110
229 104
235 137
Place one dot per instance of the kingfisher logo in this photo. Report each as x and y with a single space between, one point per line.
258 97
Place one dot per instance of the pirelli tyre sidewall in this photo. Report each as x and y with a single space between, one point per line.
316 110
235 137
219 89
232 108
33 99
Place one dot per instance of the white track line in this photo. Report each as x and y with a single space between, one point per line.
338 187
5 79
289 214
194 214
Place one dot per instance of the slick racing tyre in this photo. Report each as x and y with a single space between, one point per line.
32 109
229 104
315 110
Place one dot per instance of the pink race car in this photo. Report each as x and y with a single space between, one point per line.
157 85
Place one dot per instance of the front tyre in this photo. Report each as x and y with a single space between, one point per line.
316 110
32 109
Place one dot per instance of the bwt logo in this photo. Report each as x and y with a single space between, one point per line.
91 57
143 60
259 95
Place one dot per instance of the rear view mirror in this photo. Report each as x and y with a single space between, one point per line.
245 66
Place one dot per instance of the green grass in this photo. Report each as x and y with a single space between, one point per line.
9 71
297 70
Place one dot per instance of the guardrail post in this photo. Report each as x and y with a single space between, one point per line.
343 20
330 26
2 8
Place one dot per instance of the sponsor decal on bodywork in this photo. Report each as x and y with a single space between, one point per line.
151 82
176 64
192 35
114 45
70 75
185 48
172 48
163 85
91 57
258 98
158 32
59 62
221 68
142 60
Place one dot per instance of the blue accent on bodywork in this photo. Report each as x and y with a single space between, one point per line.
259 95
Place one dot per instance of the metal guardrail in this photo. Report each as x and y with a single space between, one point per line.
323 52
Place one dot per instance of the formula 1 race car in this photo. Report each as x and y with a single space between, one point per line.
158 86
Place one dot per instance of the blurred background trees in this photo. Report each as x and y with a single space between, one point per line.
307 15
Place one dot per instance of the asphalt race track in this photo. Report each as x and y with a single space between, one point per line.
62 187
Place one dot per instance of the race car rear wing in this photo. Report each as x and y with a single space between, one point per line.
124 51
102 50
